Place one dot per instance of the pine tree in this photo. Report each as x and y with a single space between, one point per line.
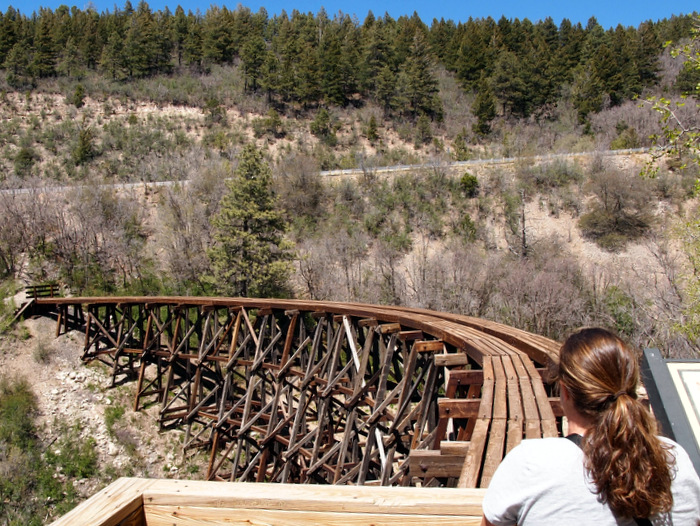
192 44
250 256
216 36
331 59
377 54
509 85
17 65
420 87
484 110
253 58
372 132
84 149
44 55
69 61
385 88
92 37
178 31
461 150
472 61
8 32
112 58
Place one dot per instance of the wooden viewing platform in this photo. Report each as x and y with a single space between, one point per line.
144 502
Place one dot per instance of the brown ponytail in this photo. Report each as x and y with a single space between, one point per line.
626 460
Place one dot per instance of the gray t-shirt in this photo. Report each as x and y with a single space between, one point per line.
543 482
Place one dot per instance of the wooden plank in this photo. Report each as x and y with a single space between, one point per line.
500 403
297 497
497 433
389 328
515 409
458 407
454 447
119 502
547 418
514 434
494 451
188 503
451 360
486 407
429 346
466 376
532 414
472 462
177 516
429 463
405 336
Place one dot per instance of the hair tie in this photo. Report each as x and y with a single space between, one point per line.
613 397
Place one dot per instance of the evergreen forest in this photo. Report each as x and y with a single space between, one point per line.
303 60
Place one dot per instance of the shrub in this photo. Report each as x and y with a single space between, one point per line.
470 185
113 414
271 124
557 174
612 232
424 131
466 228
17 408
372 133
78 98
627 139
84 150
215 113
42 352
621 308
24 160
620 212
323 128
73 455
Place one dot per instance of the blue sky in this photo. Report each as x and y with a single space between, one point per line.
608 12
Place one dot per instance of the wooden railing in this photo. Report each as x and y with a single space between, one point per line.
143 502
44 290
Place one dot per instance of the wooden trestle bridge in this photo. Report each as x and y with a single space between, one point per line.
321 392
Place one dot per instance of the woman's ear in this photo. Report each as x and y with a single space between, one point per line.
563 392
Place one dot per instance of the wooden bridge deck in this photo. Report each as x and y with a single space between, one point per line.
324 392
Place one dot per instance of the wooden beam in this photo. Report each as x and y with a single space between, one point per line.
451 360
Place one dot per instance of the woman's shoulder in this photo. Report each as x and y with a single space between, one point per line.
679 454
547 451
547 444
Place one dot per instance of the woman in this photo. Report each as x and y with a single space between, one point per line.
621 473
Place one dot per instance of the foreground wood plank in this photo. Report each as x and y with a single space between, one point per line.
179 516
297 497
119 504
141 502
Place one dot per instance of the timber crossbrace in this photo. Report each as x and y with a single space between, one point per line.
295 391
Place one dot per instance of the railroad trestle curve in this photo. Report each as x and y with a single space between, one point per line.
323 392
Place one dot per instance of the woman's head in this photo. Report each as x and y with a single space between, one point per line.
597 368
624 455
